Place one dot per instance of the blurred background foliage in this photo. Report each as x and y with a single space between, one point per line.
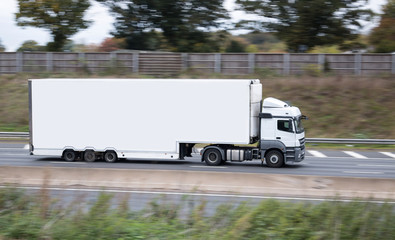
325 26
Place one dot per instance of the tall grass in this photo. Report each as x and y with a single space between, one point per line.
21 218
337 106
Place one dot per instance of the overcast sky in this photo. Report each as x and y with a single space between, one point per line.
12 36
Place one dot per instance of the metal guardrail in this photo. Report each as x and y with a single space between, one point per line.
351 141
308 140
14 135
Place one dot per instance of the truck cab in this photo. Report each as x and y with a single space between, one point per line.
281 138
282 131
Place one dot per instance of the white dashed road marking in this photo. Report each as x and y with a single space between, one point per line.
317 154
354 154
373 165
388 154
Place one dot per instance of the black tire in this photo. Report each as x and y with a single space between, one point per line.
212 157
69 155
274 159
89 156
110 156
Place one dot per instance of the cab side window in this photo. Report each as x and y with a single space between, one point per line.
284 125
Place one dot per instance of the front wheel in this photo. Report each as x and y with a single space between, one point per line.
274 159
212 157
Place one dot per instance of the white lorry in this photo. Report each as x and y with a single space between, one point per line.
109 119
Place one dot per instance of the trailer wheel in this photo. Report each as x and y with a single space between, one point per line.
274 159
110 156
69 155
89 156
212 157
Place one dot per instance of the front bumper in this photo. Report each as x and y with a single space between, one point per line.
296 154
299 154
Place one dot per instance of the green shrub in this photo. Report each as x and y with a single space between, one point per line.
21 218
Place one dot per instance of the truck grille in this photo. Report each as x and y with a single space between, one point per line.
302 141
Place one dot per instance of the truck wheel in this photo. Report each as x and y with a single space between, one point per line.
212 157
89 156
274 159
110 156
69 155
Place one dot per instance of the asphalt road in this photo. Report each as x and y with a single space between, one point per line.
366 164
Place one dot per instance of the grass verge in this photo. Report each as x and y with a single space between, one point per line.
337 106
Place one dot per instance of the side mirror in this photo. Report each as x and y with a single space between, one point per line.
304 117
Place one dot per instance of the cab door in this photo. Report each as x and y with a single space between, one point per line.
285 131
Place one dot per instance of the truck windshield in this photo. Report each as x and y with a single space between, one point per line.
298 125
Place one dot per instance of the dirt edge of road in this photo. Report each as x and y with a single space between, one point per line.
206 182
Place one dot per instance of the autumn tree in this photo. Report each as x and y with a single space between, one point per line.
30 46
62 18
111 44
383 36
303 24
184 25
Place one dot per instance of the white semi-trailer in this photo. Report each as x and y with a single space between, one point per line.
162 118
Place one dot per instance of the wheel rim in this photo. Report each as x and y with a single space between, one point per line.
110 157
274 159
89 156
212 157
69 156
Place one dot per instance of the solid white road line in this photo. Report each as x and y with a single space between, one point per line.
207 167
354 154
317 154
17 149
15 154
388 154
358 172
69 162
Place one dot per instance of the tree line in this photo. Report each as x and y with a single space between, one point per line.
204 25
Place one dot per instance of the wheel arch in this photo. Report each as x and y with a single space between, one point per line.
269 145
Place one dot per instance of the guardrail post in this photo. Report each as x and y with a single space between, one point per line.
81 60
19 62
113 59
286 64
251 63
321 61
393 64
217 63
136 62
184 59
49 62
358 64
